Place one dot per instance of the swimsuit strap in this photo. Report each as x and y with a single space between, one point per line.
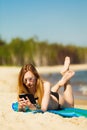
55 94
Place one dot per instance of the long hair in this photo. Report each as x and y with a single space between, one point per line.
39 82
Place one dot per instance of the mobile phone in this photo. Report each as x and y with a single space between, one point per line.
30 96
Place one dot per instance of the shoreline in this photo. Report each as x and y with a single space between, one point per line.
47 69
54 69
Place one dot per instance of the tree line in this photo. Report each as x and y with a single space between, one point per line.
40 53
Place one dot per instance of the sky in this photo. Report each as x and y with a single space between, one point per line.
60 21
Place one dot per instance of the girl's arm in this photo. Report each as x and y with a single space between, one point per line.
46 96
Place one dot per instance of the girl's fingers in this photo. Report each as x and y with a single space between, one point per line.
21 99
27 99
23 102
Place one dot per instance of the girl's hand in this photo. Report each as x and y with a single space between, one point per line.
28 103
25 103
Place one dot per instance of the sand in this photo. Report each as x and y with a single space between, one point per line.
10 120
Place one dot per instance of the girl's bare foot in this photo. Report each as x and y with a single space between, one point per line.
67 76
66 65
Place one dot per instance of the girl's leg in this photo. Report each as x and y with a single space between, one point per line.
65 100
67 76
63 71
68 95
66 65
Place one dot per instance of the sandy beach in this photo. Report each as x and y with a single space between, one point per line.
10 120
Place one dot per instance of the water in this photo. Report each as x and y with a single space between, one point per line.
78 82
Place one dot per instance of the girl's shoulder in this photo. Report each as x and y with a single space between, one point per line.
46 84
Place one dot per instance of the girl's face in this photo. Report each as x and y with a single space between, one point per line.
29 79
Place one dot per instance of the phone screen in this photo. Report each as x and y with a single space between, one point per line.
30 96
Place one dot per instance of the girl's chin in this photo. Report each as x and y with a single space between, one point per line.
30 86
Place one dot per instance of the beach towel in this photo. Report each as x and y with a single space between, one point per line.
65 112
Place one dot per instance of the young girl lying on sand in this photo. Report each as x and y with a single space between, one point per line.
48 97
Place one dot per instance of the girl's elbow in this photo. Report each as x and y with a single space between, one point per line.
43 109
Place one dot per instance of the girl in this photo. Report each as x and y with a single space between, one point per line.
48 97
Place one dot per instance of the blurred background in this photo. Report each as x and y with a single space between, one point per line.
43 31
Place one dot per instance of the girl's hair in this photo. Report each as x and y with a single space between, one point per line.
39 83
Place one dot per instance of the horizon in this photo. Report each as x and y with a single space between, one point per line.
55 21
